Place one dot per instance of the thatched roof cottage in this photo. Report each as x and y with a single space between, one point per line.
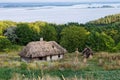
42 50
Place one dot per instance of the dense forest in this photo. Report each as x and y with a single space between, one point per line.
100 35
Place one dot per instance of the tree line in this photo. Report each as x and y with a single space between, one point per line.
100 35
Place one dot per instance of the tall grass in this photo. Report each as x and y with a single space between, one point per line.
17 74
103 66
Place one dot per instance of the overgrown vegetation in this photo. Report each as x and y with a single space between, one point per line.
100 35
71 35
103 66
4 43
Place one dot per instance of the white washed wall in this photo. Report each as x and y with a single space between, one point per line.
61 56
54 57
48 58
25 59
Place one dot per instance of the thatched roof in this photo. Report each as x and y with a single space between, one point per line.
42 48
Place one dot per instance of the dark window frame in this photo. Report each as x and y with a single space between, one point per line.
59 55
50 56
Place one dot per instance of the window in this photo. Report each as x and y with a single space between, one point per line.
58 55
30 56
40 58
50 56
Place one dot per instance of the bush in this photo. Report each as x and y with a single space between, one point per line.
4 43
23 66
117 48
10 34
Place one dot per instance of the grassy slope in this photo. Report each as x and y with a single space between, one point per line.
103 66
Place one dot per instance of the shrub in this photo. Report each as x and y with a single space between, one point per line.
4 43
23 66
116 48
10 34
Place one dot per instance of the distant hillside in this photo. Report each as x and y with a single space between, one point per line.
106 20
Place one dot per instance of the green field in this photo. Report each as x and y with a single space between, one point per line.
103 66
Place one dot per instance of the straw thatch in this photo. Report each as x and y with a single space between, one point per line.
87 52
41 49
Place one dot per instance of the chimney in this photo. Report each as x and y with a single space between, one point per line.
41 39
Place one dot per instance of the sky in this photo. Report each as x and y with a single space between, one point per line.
59 1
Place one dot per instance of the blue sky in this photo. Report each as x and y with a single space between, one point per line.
59 0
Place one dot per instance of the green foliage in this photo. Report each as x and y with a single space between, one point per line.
100 42
108 41
49 33
59 29
109 70
15 47
107 20
4 43
5 73
4 25
117 48
1 31
73 37
108 25
104 33
10 34
36 26
23 66
24 33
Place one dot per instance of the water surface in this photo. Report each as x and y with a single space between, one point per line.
80 13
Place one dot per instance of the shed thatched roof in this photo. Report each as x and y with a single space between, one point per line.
42 48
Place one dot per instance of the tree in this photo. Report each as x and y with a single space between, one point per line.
1 28
100 41
4 25
10 34
49 33
108 41
24 33
73 37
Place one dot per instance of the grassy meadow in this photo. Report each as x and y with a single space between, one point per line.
102 66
